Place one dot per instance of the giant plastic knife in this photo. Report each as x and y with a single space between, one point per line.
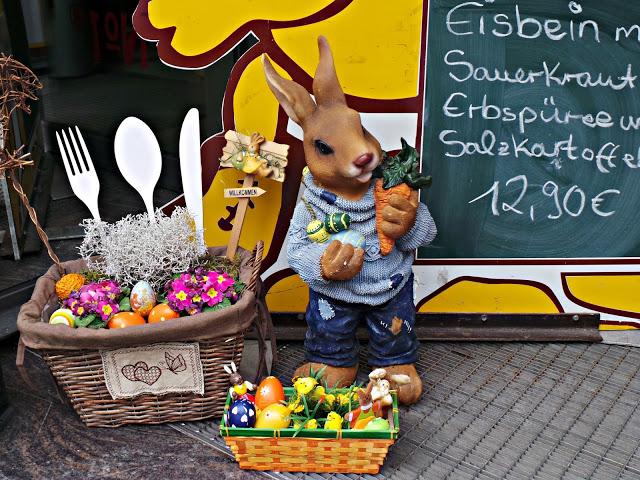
191 169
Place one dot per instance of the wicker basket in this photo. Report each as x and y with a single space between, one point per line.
80 374
346 451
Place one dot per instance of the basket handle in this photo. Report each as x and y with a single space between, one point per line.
263 323
257 253
263 313
20 365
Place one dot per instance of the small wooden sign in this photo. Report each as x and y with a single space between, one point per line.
243 192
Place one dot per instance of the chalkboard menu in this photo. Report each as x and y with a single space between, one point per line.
532 128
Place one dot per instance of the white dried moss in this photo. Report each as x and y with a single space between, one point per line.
134 249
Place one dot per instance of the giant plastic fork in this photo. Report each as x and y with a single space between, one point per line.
82 174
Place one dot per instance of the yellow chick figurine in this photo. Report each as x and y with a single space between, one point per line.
334 421
304 385
310 425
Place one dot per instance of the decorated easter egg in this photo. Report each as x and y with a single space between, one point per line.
274 416
242 414
337 222
350 236
143 298
269 391
125 319
161 313
378 424
316 231
63 316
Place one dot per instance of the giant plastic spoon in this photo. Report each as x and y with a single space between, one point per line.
138 158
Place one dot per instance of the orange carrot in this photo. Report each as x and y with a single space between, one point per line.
396 175
381 197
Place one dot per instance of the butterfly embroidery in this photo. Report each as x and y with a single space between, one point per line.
175 363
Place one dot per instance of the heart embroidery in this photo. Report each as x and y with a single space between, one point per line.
148 376
140 372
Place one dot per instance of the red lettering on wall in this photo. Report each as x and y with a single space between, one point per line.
109 34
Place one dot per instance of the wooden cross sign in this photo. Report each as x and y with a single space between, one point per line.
256 157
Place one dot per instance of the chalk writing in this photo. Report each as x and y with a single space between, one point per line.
572 202
510 126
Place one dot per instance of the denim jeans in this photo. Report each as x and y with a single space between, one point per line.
331 333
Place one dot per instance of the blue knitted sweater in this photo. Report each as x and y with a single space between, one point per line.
381 277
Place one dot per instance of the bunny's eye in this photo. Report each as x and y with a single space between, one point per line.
323 148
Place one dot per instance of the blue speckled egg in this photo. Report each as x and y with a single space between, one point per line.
350 236
242 414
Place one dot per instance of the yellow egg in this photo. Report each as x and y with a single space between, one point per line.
63 316
274 416
317 232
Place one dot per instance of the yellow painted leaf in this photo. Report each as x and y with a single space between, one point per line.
203 25
290 294
470 296
255 108
375 43
613 292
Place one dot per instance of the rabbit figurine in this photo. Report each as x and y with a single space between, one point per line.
239 386
350 283
381 389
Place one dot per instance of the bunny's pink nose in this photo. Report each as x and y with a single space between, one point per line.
363 160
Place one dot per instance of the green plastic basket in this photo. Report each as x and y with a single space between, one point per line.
311 450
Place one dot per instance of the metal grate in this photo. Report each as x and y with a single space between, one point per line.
507 410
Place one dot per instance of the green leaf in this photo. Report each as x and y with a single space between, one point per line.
417 180
86 320
97 323
402 168
126 291
125 304
162 297
300 428
238 286
298 417
223 304
315 410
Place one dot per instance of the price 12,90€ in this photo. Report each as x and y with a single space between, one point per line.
571 202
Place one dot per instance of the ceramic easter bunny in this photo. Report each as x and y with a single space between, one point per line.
381 389
239 386
350 283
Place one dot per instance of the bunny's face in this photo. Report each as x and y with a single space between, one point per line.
339 152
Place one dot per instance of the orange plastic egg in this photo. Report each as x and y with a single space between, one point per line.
269 391
125 319
161 313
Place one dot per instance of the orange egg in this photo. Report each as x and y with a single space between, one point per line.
161 313
269 391
125 319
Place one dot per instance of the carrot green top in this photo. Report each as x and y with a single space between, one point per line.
401 168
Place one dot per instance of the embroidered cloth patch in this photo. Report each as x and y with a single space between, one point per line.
326 310
158 369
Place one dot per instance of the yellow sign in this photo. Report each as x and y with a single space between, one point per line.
243 192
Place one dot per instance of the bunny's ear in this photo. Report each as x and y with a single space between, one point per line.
293 97
233 367
227 369
326 87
